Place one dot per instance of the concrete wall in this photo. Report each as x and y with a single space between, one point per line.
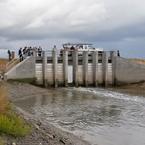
49 74
128 72
93 70
23 70
60 76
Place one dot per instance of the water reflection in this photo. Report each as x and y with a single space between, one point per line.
98 119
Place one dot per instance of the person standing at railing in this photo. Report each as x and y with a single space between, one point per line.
9 55
20 54
118 53
25 52
39 51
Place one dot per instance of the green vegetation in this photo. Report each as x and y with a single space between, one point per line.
13 125
10 123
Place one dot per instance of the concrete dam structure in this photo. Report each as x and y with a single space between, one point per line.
86 69
72 68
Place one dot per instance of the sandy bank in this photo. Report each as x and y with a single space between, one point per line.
132 89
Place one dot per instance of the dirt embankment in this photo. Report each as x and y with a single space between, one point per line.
3 63
132 89
42 133
140 61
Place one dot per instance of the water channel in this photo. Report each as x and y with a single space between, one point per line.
102 117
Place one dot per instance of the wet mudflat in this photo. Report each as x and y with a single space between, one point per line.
99 116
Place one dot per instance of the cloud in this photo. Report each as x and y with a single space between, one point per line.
63 17
98 21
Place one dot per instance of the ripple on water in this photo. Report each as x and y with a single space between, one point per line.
97 115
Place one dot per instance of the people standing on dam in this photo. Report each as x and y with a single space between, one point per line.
29 51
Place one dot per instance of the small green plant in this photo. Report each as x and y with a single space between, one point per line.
10 123
13 125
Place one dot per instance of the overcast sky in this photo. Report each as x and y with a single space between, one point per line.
111 24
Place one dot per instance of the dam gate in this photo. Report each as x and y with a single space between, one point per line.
74 68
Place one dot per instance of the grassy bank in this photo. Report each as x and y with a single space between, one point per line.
3 61
11 124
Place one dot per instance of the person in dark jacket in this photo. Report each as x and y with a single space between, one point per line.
39 51
10 55
118 53
20 54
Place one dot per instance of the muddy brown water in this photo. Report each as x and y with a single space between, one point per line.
102 117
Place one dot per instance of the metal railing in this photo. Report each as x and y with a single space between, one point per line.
11 64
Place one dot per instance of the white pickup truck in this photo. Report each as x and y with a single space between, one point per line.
80 47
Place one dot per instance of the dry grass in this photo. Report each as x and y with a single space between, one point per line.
3 100
3 61
140 61
10 123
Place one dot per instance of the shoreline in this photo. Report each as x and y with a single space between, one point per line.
42 133
132 89
45 133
